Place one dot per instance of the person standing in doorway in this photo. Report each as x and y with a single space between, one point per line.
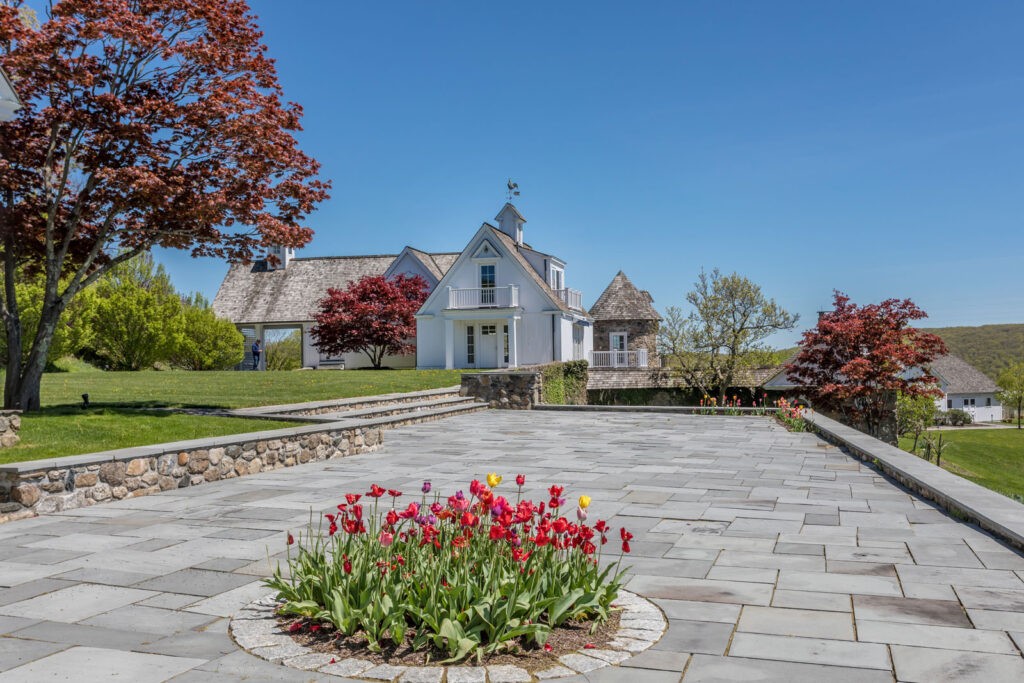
256 351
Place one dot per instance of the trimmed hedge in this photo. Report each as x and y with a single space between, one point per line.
564 383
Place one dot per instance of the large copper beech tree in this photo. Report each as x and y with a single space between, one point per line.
374 315
857 358
146 123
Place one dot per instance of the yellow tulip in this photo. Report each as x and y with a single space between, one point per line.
493 479
584 502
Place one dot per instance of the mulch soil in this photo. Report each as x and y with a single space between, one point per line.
566 639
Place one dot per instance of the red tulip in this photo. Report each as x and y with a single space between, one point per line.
469 519
353 498
393 493
375 491
391 518
294 626
556 491
347 566
291 539
520 479
386 539
601 525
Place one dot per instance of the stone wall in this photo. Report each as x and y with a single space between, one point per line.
10 425
642 334
28 488
513 390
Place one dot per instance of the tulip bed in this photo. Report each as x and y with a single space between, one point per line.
457 577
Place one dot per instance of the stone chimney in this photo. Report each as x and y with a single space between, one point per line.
510 222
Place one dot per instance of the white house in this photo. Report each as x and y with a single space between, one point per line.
9 102
502 304
497 303
966 388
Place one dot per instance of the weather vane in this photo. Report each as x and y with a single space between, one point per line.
513 189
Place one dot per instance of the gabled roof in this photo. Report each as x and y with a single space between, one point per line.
437 264
515 211
254 293
621 300
961 377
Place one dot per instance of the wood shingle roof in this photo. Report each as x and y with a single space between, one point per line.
621 300
253 293
961 377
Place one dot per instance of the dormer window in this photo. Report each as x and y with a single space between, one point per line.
557 278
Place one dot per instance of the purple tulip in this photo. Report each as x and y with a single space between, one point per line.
426 487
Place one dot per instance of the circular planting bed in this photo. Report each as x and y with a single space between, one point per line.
259 629
474 586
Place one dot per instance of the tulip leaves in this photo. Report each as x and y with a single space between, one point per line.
477 576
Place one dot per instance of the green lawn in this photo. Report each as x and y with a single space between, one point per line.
232 389
116 421
993 458
72 431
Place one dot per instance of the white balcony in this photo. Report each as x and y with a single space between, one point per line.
619 359
483 297
573 298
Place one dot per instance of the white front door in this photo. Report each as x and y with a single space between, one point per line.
487 353
618 345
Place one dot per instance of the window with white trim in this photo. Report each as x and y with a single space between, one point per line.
470 346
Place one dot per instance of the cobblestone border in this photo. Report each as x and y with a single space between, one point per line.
256 630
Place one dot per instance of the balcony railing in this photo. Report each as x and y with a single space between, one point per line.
573 298
484 297
619 359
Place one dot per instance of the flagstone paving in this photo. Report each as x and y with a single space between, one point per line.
774 556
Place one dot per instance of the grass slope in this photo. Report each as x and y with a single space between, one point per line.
990 348
993 458
231 389
117 418
71 431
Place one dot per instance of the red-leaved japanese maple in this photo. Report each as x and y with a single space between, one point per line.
374 315
146 123
857 357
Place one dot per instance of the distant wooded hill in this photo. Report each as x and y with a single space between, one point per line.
990 348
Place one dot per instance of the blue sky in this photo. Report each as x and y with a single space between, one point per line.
873 147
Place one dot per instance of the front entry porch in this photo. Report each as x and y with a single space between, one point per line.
481 342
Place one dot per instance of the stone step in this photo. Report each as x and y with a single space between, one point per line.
424 415
354 403
388 409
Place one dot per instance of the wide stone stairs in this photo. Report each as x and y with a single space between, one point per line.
387 410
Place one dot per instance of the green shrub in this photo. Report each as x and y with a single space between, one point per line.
208 342
564 383
955 418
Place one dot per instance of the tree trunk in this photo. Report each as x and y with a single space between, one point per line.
21 387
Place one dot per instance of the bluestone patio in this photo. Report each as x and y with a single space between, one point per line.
775 556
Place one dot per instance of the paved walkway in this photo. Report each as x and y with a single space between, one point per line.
774 556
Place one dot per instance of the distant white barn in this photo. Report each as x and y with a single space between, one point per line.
966 388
